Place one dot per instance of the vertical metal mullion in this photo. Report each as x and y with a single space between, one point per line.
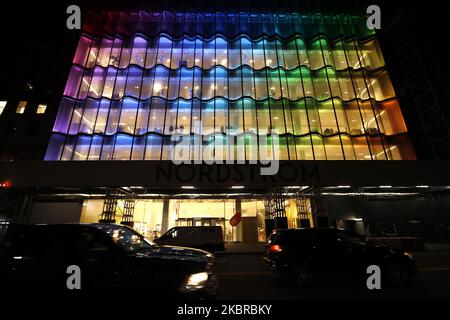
121 106
241 67
166 100
138 109
340 88
360 59
254 83
192 98
101 98
147 133
110 100
281 89
331 93
228 85
358 104
215 66
267 84
85 68
201 80
304 94
180 69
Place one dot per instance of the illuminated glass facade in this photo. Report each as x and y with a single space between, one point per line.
320 81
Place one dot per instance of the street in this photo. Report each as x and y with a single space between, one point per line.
244 276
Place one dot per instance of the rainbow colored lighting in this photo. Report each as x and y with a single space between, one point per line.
138 77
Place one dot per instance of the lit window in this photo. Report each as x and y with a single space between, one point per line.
21 107
2 106
41 109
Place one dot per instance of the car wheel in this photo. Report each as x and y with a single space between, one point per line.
396 273
303 275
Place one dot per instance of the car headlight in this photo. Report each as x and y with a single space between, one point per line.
195 281
409 255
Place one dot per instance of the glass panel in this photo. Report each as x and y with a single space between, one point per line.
304 149
263 118
339 57
295 85
258 55
82 52
113 118
174 84
319 150
271 54
102 116
126 54
68 149
333 148
64 114
164 49
138 148
152 52
346 86
133 88
327 119
116 52
221 115
119 87
104 52
122 147
349 151
221 52
260 85
74 82
82 148
250 116
187 59
171 118
128 116
321 85
89 116
96 147
236 117
184 116
153 148
299 118
175 62
278 117
139 50
235 84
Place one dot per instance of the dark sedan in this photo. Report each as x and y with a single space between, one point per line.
111 260
304 254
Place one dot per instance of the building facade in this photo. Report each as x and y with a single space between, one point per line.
319 81
141 82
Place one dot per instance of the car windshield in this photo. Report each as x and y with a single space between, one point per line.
126 238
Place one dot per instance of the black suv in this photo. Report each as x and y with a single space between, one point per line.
306 253
112 260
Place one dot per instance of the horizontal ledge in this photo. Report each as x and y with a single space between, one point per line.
164 174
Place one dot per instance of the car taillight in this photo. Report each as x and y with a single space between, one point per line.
276 248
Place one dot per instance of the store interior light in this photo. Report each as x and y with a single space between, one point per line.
187 187
237 187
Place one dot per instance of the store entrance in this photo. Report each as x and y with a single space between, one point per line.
200 222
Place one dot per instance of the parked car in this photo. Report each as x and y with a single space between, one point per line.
113 260
304 254
207 238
